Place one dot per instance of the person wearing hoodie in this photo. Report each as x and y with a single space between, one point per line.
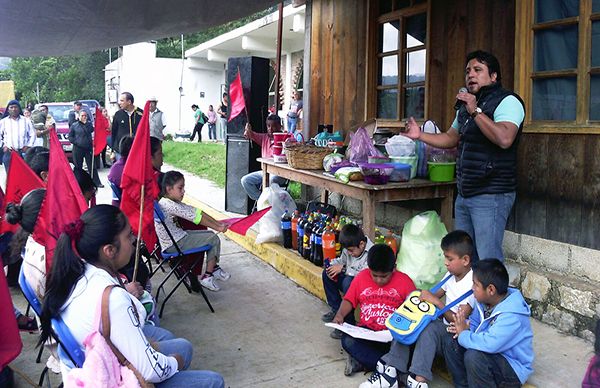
499 342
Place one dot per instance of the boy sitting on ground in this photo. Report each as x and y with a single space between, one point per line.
338 276
393 367
499 345
379 291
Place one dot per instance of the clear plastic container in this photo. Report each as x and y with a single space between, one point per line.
401 172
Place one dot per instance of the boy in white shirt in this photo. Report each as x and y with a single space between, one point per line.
435 338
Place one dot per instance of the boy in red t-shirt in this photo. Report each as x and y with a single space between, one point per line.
379 291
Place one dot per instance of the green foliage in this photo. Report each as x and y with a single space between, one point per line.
58 78
203 159
171 47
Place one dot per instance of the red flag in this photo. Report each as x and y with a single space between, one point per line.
10 339
100 126
64 202
137 172
20 180
236 97
241 225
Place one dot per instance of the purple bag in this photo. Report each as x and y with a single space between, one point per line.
361 147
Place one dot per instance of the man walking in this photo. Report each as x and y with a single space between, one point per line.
125 120
487 127
157 120
16 132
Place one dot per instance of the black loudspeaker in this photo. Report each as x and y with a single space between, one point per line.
241 154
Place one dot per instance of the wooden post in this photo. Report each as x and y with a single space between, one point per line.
278 57
139 235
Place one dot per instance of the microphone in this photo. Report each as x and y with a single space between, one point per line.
460 103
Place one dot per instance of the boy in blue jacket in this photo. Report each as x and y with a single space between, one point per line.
499 345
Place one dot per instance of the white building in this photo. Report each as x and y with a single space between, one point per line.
201 75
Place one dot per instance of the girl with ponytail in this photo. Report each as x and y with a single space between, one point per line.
87 258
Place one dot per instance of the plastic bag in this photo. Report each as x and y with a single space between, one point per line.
420 255
361 147
399 146
347 174
269 226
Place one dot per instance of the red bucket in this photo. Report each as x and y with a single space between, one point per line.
281 137
277 150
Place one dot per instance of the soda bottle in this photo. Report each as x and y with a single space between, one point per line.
301 224
312 242
390 240
318 256
379 238
295 219
327 264
286 228
306 239
338 246
328 243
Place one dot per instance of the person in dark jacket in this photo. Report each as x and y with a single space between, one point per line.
487 128
125 121
80 135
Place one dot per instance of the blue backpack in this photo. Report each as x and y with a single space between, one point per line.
409 320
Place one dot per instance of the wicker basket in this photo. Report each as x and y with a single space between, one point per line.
305 156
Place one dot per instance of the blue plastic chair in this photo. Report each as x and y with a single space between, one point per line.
177 258
68 348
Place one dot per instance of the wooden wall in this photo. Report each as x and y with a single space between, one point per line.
558 195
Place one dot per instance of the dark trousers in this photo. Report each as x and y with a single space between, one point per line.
79 154
489 370
198 130
332 292
364 351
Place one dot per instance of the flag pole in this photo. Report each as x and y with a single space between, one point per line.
139 236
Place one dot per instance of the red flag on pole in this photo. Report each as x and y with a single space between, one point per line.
10 339
100 133
64 202
236 97
137 172
20 180
241 225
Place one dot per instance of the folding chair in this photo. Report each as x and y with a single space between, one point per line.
177 258
69 351
116 194
35 304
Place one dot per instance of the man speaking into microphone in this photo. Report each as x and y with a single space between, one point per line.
486 129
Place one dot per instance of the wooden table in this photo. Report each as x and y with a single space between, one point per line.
370 195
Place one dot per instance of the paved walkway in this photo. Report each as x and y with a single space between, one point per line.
267 332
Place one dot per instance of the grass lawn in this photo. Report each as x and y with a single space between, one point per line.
203 159
206 160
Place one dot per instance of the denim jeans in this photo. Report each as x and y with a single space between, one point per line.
212 131
484 218
333 289
291 124
489 370
222 128
167 345
252 183
364 351
434 339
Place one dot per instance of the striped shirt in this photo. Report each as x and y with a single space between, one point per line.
17 133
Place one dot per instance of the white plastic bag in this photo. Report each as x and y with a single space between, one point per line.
269 226
399 146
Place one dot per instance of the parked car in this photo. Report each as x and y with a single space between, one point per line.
60 112
91 104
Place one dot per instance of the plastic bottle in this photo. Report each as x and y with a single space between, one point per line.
318 255
286 228
328 243
295 219
301 224
390 240
379 238
306 239
338 246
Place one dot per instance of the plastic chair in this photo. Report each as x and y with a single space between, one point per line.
68 348
116 194
35 304
177 258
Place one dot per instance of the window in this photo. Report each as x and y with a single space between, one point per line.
399 59
560 58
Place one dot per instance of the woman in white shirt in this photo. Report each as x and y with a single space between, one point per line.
86 260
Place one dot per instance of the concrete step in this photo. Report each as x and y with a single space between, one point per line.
560 359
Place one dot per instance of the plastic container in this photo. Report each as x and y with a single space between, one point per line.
401 172
400 149
376 173
379 159
441 172
280 137
278 149
410 160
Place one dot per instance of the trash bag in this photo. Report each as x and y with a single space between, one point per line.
361 147
269 226
421 256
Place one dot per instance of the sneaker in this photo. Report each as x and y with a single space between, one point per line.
352 366
53 364
209 283
336 334
384 377
412 383
328 317
26 323
221 274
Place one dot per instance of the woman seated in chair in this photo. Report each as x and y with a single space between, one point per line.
86 261
173 190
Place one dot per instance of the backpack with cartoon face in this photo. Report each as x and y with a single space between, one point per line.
409 320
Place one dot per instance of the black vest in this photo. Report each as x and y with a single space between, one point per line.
482 166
